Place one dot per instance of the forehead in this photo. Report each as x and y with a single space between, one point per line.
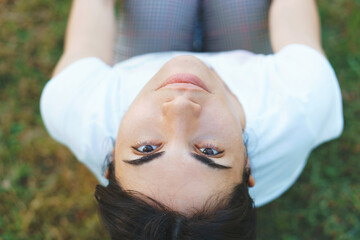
178 181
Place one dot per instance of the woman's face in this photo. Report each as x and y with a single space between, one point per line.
181 144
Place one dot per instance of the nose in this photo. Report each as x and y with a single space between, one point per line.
181 114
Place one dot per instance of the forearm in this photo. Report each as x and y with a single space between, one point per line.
294 21
91 29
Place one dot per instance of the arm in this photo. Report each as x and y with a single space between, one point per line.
90 32
294 21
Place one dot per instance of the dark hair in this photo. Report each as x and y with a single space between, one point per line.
126 215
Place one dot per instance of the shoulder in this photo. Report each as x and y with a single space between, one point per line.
66 96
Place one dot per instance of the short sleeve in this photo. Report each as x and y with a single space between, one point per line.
79 110
295 106
307 76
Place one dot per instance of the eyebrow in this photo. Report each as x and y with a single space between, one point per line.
205 160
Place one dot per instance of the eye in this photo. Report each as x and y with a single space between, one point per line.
146 147
210 150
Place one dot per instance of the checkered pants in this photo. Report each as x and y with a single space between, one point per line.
192 25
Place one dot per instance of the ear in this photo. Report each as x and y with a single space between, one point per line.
107 174
110 158
251 180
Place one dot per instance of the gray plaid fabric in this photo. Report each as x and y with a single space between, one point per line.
192 25
236 24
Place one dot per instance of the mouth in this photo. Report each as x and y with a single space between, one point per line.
184 81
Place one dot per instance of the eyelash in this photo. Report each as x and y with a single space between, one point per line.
208 145
140 144
198 147
212 146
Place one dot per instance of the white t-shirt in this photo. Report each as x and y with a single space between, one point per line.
291 99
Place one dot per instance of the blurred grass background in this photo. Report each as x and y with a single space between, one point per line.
46 194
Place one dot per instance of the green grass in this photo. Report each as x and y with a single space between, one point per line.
46 194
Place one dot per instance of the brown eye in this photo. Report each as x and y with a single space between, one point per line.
147 148
209 151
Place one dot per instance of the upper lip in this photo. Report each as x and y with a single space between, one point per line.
184 78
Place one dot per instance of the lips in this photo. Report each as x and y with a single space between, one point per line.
183 79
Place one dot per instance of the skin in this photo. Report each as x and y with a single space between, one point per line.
181 120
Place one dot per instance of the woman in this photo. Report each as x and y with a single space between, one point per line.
188 127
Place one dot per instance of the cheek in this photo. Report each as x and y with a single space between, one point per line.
222 120
143 115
